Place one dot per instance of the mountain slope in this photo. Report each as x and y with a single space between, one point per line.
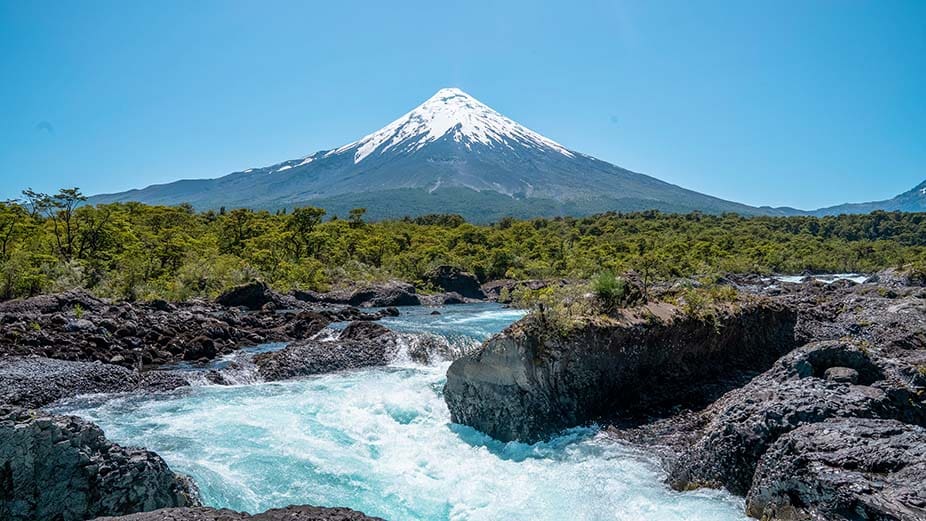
910 201
450 151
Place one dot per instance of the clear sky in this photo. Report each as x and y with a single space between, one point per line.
799 103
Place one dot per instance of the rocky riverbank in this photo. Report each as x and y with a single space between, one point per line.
290 513
59 346
77 326
62 467
809 399
67 344
54 347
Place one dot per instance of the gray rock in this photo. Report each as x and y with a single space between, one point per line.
385 294
63 468
445 299
253 295
290 513
528 382
136 335
841 375
360 344
843 470
454 280
35 382
744 423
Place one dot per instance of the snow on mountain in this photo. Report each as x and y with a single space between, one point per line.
453 154
452 111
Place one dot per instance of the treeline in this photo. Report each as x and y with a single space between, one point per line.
136 251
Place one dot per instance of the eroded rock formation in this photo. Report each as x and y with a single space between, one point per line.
290 513
810 401
63 468
528 382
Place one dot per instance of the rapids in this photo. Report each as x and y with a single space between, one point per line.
380 441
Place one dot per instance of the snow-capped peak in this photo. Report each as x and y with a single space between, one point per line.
453 111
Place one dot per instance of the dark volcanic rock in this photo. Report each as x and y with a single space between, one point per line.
445 299
35 382
893 277
455 280
363 331
360 344
75 326
527 383
374 295
843 470
290 513
253 295
384 295
63 468
828 430
66 301
795 392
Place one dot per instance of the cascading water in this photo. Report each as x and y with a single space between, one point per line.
380 441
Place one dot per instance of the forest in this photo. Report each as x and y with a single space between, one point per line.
137 252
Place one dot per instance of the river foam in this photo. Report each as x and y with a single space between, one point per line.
381 441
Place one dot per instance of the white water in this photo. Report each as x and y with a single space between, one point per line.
826 279
381 441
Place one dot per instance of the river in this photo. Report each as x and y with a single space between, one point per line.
381 441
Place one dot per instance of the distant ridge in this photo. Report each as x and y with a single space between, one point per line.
910 201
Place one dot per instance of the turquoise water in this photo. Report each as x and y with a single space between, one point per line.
380 441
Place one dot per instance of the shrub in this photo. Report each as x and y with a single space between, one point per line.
610 290
557 309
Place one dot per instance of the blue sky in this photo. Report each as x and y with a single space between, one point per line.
793 103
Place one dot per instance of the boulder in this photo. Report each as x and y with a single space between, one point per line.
798 390
444 299
67 301
843 470
454 280
306 324
386 294
893 277
63 468
290 513
253 295
363 331
360 344
529 382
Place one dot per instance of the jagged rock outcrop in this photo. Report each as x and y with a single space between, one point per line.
454 280
386 294
810 385
77 326
529 382
35 381
843 470
290 513
893 277
63 468
810 411
360 344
